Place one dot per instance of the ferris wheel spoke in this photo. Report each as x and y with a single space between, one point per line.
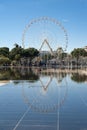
50 28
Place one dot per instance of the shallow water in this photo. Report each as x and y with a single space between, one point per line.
55 101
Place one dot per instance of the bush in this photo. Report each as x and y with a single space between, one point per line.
5 61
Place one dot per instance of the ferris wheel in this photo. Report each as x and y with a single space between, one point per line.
45 33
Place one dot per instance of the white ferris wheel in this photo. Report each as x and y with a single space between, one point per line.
45 34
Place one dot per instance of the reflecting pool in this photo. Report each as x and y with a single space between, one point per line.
43 99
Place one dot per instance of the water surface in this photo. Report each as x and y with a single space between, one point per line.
42 100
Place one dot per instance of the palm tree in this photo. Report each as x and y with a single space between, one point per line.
17 46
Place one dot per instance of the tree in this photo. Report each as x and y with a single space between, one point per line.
33 52
30 53
17 46
76 53
17 50
26 53
4 51
17 57
4 61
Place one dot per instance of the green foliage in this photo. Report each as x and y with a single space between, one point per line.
15 53
17 57
78 52
4 51
14 62
4 60
26 53
30 53
17 46
78 77
33 52
18 52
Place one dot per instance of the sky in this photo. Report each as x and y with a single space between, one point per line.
16 14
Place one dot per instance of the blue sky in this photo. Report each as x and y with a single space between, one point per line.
16 14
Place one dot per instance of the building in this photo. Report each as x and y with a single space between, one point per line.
85 48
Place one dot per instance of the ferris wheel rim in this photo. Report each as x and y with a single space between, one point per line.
55 21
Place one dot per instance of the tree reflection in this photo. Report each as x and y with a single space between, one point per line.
5 74
79 77
18 74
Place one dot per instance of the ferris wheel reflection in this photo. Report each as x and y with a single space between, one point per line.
48 94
